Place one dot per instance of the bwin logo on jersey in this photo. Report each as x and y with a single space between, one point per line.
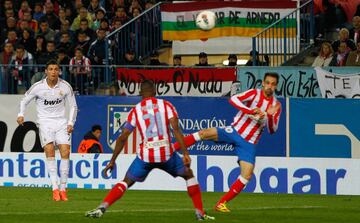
53 102
117 115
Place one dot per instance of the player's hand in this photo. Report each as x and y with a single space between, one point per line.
186 159
20 120
273 109
109 167
70 129
258 114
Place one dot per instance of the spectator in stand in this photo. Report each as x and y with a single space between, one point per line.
104 24
70 15
24 8
203 60
232 60
63 59
149 4
84 26
118 3
116 24
8 4
99 15
354 57
28 41
134 4
5 59
20 69
50 53
120 14
94 7
10 25
38 11
83 41
258 61
90 143
83 14
177 61
325 56
135 12
97 55
22 25
130 58
46 31
343 37
33 24
12 37
62 16
354 32
80 68
39 51
66 43
65 27
10 13
340 57
154 59
51 17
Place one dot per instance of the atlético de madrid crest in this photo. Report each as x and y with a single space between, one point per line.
117 115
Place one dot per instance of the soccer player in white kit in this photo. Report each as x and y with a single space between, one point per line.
153 117
50 95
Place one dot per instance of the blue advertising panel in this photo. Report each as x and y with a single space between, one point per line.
298 82
325 128
195 113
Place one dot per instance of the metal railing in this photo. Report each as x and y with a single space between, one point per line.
141 34
286 37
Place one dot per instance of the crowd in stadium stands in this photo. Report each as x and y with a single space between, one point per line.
36 31
74 31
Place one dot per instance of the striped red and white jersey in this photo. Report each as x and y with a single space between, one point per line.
245 123
151 116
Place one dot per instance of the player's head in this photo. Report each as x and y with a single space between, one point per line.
147 89
96 131
52 70
269 83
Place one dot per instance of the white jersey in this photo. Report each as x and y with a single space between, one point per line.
50 102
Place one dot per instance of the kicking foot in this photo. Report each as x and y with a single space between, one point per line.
221 207
96 213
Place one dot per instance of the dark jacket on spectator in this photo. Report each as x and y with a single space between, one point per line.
350 43
97 49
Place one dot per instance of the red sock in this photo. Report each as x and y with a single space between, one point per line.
235 189
195 194
116 193
188 140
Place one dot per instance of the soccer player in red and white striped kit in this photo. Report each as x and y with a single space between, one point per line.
257 108
153 117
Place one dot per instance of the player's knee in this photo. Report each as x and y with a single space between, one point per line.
188 173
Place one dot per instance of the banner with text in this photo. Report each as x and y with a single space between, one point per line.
333 85
179 81
244 19
214 173
299 82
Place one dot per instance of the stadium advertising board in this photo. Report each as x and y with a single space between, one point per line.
298 82
214 173
324 128
195 113
333 85
178 81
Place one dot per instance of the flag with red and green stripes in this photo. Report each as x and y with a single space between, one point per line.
244 19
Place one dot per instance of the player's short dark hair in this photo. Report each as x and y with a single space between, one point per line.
272 74
96 127
146 83
52 62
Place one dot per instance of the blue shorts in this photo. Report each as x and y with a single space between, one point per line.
139 170
244 150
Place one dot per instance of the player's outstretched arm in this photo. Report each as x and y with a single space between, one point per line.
120 142
174 122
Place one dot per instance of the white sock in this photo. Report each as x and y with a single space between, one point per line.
51 166
191 182
197 136
64 173
243 180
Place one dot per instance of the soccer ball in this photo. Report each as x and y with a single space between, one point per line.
206 20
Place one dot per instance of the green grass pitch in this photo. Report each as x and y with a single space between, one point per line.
35 205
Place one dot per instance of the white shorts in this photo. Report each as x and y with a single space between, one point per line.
53 131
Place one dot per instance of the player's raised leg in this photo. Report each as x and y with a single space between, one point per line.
205 134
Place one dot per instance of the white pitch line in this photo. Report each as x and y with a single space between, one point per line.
163 210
